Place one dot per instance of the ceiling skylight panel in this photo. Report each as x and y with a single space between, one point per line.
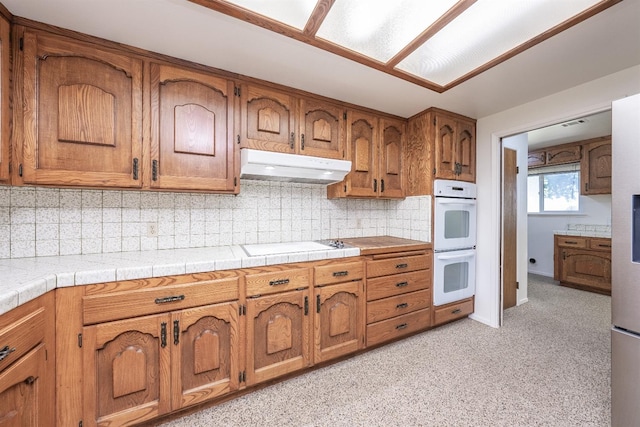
294 13
488 29
379 28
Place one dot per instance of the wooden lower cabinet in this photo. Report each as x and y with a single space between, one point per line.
398 296
583 263
27 367
453 311
339 320
278 330
137 369
140 368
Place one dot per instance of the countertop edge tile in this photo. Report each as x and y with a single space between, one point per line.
8 301
131 273
95 276
200 267
160 270
65 279
31 290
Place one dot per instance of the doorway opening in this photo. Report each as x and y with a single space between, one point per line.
548 197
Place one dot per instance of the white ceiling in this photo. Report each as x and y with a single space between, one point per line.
592 126
603 44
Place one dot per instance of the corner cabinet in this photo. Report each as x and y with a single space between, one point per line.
192 126
82 114
5 98
375 147
27 364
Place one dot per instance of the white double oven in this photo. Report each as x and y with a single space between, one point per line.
454 241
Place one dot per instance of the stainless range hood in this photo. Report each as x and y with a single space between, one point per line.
271 166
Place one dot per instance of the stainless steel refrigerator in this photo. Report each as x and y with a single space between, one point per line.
625 263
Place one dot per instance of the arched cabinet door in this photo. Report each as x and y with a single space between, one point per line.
82 115
392 144
321 129
268 119
445 147
205 350
192 143
277 335
339 320
362 146
595 167
127 365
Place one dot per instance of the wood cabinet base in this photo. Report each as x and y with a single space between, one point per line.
454 311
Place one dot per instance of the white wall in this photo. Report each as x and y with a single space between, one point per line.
581 100
595 210
520 144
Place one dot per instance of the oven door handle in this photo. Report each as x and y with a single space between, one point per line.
470 202
458 256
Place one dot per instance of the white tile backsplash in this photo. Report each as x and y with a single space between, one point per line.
50 221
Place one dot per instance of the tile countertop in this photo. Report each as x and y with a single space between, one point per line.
584 233
23 279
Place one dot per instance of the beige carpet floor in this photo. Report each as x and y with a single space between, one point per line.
549 365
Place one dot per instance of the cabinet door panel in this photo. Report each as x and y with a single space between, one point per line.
339 321
445 147
588 268
192 130
391 159
563 154
21 393
321 129
82 114
537 158
277 335
205 353
595 168
362 137
127 368
466 151
5 97
268 120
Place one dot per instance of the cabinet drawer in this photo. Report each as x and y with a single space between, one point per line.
387 308
338 273
600 244
398 326
17 338
125 304
397 284
453 311
389 266
572 241
277 281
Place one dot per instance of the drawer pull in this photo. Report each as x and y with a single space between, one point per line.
571 242
604 246
278 282
402 326
5 351
173 298
402 265
403 305
402 284
456 311
176 332
340 273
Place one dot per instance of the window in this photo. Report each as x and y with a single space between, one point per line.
553 191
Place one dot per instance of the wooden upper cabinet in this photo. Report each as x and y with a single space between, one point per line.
537 158
362 138
595 167
321 129
82 114
192 144
455 148
5 96
561 154
391 158
268 119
